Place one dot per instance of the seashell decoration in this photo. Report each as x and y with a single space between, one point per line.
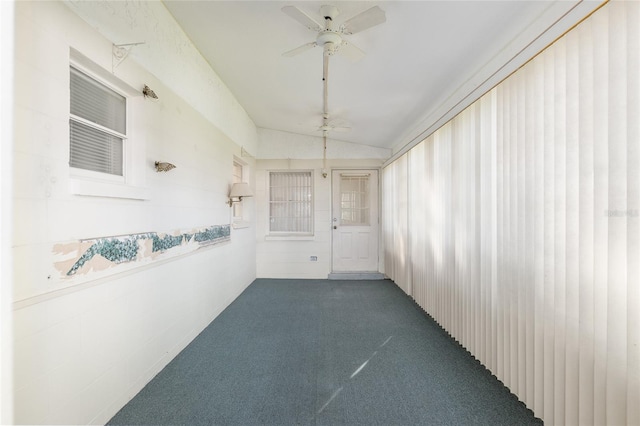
148 93
162 166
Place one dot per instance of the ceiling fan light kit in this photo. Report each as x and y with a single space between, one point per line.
332 41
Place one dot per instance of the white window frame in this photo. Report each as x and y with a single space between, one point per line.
290 235
132 183
104 130
239 214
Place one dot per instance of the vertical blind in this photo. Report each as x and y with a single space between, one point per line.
97 125
516 226
290 202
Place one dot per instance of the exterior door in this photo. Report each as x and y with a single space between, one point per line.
355 220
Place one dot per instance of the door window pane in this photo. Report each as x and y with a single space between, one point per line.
354 200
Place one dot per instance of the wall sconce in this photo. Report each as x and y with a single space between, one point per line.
239 190
162 166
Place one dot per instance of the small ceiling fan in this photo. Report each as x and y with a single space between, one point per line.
335 125
330 37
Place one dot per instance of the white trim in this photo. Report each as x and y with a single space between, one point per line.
132 184
97 126
95 71
241 221
280 235
353 171
240 224
96 188
289 237
74 287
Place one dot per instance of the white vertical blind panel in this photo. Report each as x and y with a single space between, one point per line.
388 210
632 13
527 162
400 219
417 219
617 268
536 87
572 224
524 227
586 220
600 23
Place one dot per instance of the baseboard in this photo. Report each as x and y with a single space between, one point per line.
356 276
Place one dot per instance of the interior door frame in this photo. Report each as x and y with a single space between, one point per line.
378 207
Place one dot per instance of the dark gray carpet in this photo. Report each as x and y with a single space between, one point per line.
319 352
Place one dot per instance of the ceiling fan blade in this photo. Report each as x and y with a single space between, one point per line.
350 51
367 19
300 49
302 17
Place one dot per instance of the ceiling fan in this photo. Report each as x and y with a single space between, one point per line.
336 125
330 37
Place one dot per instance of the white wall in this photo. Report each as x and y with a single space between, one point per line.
276 144
175 61
282 258
6 178
84 346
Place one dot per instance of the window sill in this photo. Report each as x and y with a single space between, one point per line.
240 224
107 189
289 238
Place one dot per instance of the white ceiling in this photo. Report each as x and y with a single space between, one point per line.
426 58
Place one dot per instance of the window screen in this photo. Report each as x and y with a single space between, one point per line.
97 125
290 202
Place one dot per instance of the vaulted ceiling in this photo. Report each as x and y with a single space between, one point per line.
426 60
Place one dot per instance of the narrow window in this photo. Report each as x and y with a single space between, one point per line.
237 178
97 126
290 202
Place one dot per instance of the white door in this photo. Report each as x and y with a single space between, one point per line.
355 220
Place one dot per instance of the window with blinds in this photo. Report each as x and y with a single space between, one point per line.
291 202
237 178
97 125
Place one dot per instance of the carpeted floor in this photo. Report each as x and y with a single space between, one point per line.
319 352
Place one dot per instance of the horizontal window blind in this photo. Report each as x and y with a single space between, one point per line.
97 103
95 150
523 225
290 202
97 125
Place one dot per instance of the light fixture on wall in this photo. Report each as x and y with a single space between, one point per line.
239 190
163 166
